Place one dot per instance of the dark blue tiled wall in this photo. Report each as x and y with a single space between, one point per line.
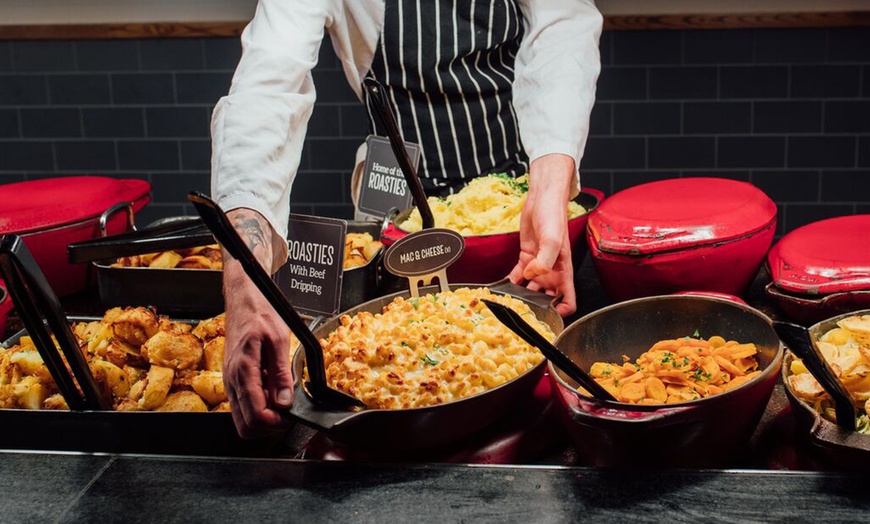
788 110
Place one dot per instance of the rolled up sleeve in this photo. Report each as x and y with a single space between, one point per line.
556 71
258 129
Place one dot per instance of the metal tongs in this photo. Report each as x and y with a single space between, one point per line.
386 118
513 321
35 298
798 339
174 234
220 226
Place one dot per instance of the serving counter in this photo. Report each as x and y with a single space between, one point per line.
776 476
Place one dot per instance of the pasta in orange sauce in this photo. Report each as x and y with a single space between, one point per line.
679 370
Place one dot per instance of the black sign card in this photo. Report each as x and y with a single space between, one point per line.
383 184
424 252
311 278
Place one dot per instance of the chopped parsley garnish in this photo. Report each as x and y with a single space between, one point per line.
697 334
429 360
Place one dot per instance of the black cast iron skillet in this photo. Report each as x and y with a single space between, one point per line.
323 408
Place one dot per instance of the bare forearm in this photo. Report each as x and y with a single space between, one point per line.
256 233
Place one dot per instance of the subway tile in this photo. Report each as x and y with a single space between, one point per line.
23 90
5 56
344 211
739 175
113 122
205 88
750 151
614 153
716 117
177 121
85 156
196 155
647 47
825 81
600 180
143 88
845 186
847 117
171 54
150 155
10 178
797 215
354 121
821 151
79 89
605 48
51 123
325 121
43 56
848 44
864 152
682 152
792 45
788 186
787 117
157 210
713 46
332 87
622 83
682 82
107 55
9 125
753 82
318 188
222 54
865 72
629 179
648 118
21 155
173 187
327 59
601 119
333 153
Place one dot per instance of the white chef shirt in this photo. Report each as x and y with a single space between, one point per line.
258 129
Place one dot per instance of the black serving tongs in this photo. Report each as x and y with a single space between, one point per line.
175 234
388 121
513 321
798 339
220 226
34 299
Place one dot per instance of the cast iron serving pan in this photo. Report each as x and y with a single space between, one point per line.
425 427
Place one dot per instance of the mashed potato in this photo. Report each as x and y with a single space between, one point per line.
487 205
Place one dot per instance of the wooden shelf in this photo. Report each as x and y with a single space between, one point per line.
611 23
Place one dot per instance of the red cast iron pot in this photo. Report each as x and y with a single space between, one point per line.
488 258
701 433
681 234
822 269
50 214
840 447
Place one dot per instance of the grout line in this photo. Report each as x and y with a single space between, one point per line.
85 489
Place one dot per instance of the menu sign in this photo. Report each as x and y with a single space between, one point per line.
424 252
311 279
383 185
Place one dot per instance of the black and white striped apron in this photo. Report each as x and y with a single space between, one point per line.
447 67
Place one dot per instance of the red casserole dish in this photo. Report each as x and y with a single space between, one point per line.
702 234
822 269
52 213
489 258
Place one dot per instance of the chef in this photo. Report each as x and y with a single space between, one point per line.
485 86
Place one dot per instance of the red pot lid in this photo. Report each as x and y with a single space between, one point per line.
42 204
676 214
828 256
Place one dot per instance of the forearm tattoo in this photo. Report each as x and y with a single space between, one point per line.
255 235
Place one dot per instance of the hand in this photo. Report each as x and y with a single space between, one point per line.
545 251
257 373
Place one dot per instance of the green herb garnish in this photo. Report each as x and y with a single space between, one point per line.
429 360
